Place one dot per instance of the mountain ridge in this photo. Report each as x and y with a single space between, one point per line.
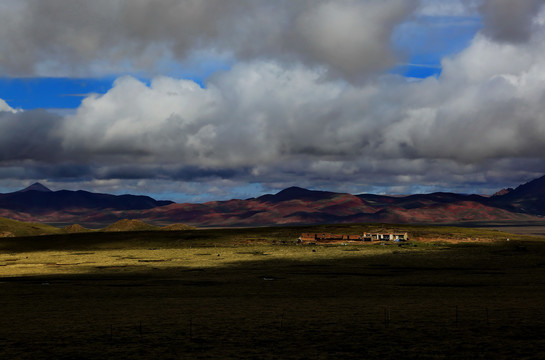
293 205
37 199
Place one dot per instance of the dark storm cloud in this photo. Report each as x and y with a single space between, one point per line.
39 170
510 20
52 37
172 172
30 136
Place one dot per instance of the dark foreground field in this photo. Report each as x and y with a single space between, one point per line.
236 295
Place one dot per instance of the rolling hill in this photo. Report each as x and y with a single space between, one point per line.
13 228
293 205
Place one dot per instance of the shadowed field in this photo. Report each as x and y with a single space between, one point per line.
244 294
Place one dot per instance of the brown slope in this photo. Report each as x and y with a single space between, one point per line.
129 225
75 228
298 206
262 211
464 211
12 228
340 209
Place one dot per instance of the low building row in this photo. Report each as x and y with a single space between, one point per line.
365 237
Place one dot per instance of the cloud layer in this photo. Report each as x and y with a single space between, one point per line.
306 101
509 20
59 37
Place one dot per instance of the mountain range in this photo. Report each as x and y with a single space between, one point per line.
293 205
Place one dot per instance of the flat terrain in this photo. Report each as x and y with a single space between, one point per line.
522 230
252 294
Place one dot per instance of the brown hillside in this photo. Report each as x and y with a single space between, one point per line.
76 228
11 228
130 225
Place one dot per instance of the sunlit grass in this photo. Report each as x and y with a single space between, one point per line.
214 248
74 262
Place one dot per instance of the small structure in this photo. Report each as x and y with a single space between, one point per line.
313 238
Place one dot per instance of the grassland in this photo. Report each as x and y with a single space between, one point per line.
13 228
253 294
9 228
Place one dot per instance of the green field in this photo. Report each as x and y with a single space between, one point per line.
253 294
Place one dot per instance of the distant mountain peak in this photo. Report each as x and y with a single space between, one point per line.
533 188
503 192
36 187
294 190
297 193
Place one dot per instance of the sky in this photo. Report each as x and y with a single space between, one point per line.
195 101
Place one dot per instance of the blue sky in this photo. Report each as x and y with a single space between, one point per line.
215 100
426 40
30 93
35 92
423 42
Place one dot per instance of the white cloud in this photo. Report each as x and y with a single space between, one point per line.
5 107
278 117
445 8
266 121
